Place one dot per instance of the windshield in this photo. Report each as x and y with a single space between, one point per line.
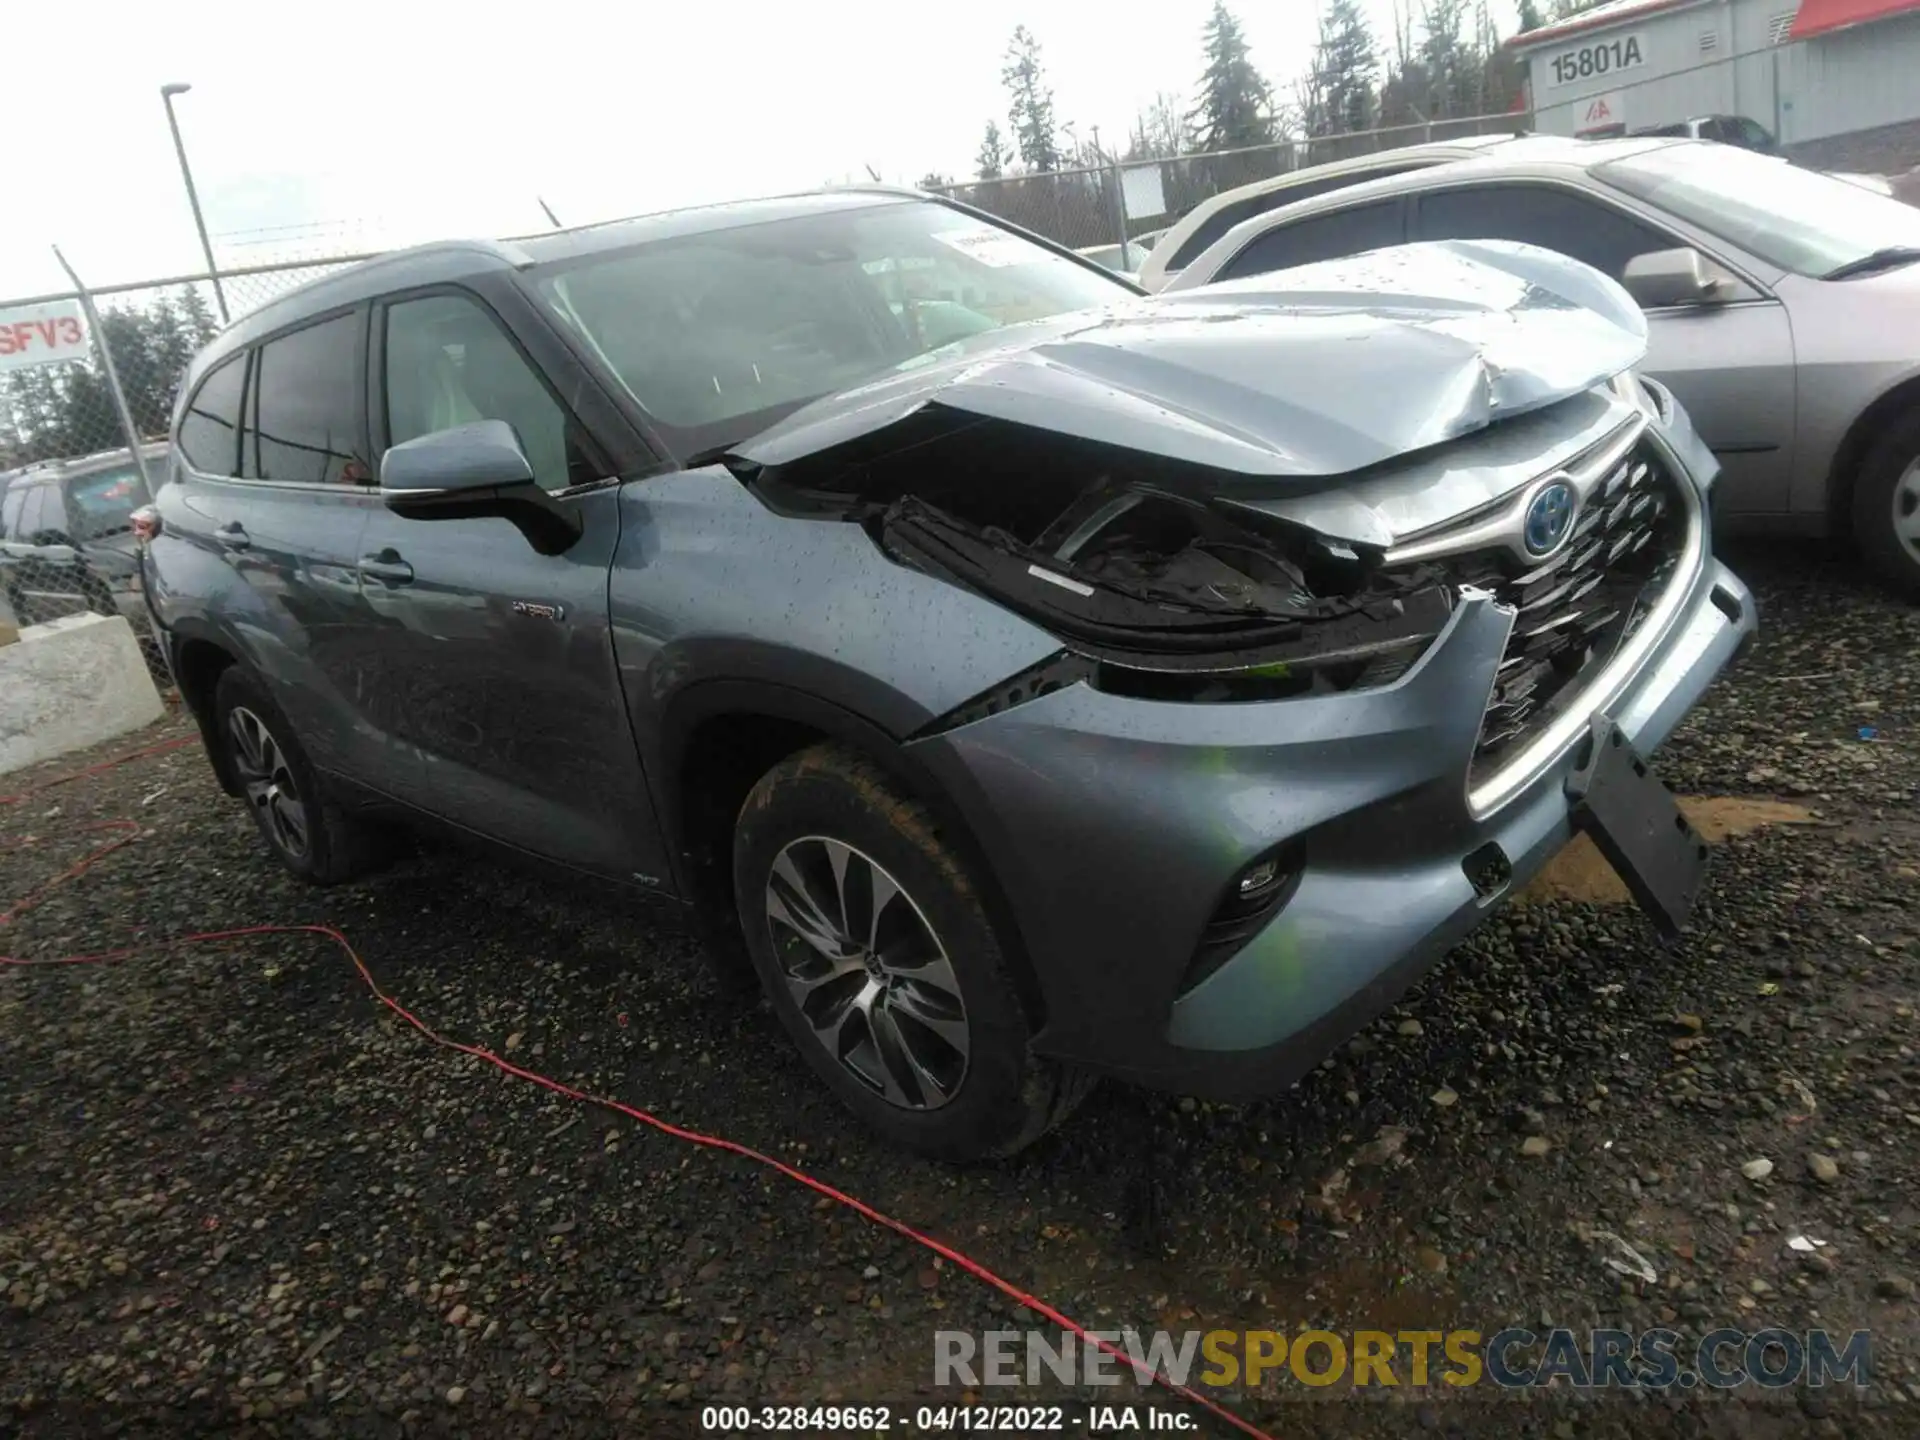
717 335
103 503
1800 220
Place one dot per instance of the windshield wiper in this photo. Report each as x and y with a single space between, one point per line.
1884 259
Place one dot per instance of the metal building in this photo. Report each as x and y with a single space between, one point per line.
1807 70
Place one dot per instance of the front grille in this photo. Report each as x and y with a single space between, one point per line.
1575 611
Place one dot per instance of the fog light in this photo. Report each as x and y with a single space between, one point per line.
1259 877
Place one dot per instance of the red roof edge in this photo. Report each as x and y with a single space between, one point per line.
1822 17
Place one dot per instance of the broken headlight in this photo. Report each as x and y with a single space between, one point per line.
1167 598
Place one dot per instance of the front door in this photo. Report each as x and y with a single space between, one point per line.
500 658
1732 367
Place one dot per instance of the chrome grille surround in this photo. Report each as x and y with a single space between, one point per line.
1586 614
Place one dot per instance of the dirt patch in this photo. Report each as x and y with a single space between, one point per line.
1580 872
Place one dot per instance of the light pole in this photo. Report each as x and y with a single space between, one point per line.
167 92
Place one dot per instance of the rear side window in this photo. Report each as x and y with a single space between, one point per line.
1320 237
1228 216
210 427
1537 215
10 502
24 505
304 423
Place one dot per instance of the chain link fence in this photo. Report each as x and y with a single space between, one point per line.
1084 208
69 479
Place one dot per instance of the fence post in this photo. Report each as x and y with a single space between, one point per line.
112 376
1119 191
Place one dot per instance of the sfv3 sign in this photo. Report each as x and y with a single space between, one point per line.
42 334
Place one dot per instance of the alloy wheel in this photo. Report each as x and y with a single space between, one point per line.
1906 510
268 783
868 972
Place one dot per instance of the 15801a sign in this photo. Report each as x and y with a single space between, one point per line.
1597 59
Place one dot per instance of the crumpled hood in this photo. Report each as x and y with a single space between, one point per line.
1316 371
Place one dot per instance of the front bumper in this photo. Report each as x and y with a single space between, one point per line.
1115 825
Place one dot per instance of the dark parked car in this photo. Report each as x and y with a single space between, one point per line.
66 537
1030 678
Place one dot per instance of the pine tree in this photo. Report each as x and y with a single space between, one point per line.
991 162
1030 104
1339 88
1449 65
198 315
1530 16
1234 97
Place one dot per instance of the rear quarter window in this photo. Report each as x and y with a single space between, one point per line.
1228 216
1331 236
209 436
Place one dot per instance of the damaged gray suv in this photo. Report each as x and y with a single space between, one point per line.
1029 679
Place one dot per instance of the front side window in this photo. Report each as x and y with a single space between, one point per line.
305 407
210 426
1799 220
716 335
449 363
1330 236
1539 215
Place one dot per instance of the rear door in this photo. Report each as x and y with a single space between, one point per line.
1731 365
500 658
306 478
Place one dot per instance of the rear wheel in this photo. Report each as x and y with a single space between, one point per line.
1886 506
874 949
307 833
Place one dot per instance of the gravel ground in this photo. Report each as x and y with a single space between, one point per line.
236 1194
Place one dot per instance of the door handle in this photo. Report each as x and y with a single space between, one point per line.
388 567
233 535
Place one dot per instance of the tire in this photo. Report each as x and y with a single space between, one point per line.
1886 506
933 995
307 833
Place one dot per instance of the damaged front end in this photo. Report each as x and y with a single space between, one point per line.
1153 585
1135 480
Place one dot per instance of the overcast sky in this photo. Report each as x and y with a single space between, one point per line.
380 122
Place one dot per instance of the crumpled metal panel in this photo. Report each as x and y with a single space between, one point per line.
1317 371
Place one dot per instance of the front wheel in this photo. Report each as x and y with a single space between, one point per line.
307 833
1886 506
874 949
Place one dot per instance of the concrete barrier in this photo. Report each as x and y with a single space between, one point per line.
69 684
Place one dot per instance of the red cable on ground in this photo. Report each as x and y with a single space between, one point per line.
692 1137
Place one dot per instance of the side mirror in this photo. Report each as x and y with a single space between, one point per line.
1667 278
483 456
471 471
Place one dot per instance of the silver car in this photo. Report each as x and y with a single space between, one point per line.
1783 306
